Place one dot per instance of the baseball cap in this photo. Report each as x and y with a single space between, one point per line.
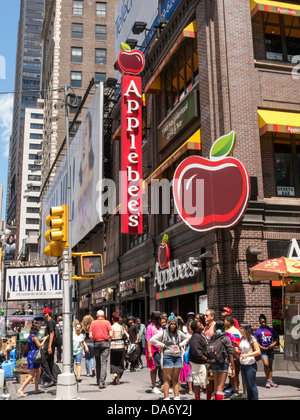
47 311
190 314
227 310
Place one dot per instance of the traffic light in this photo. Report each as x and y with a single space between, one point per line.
91 265
57 236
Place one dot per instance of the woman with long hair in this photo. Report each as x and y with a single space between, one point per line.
117 348
153 352
89 356
248 351
35 371
170 342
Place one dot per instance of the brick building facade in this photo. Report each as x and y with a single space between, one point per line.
229 58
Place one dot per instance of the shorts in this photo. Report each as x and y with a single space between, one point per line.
78 358
156 359
170 362
267 354
219 367
199 373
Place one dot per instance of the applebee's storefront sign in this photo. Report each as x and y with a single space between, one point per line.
130 64
174 273
212 193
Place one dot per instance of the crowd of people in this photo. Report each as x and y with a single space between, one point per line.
201 352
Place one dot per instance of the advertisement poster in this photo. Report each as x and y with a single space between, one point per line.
33 283
86 156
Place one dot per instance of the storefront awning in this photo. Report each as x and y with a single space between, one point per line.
282 8
154 84
179 291
193 143
278 122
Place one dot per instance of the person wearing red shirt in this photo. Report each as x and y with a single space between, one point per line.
101 332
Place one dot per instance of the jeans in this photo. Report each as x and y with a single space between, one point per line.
101 350
249 377
89 358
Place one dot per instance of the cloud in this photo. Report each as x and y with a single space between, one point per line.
6 112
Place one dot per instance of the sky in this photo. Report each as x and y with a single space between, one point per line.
9 17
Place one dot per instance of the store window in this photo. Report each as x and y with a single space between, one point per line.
287 166
181 74
282 36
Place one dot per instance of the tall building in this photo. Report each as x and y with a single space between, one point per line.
28 208
78 45
27 88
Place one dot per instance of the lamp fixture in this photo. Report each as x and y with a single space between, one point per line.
208 255
254 251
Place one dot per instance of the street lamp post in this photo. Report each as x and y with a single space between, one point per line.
66 382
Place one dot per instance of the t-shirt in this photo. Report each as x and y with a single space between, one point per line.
266 336
151 330
50 327
247 348
100 329
77 343
133 331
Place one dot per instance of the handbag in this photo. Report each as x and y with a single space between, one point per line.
186 356
39 356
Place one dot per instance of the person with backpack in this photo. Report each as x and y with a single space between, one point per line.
220 354
198 357
170 341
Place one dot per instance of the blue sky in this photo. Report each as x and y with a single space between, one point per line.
9 17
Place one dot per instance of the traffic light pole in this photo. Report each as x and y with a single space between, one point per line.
66 382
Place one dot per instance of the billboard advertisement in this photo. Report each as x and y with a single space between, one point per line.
86 157
130 11
33 283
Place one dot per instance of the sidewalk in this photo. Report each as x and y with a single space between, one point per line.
136 386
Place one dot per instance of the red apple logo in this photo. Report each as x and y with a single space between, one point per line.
130 62
164 253
215 193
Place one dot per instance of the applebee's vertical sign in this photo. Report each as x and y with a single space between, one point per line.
130 64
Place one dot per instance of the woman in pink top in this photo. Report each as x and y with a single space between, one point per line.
152 352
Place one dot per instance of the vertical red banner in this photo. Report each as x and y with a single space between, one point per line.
131 156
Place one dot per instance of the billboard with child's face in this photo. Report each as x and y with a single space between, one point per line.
86 159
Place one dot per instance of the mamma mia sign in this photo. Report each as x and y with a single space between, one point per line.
33 283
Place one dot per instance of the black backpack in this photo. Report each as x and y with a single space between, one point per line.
216 352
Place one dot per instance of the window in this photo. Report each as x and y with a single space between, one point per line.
282 36
36 136
78 7
33 210
33 199
76 55
77 30
76 79
32 221
100 32
100 77
100 56
34 167
34 146
287 165
181 74
34 126
101 10
135 240
37 116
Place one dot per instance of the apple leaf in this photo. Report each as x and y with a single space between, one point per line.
124 47
165 238
224 146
